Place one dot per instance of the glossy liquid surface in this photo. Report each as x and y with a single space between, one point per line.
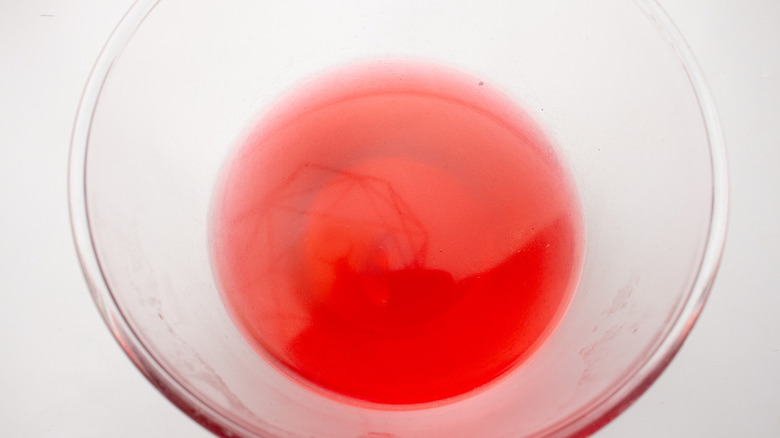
396 233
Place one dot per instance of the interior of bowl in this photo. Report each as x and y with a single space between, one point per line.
613 86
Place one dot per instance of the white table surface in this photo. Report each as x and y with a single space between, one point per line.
63 375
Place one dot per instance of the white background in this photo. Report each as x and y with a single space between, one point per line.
63 375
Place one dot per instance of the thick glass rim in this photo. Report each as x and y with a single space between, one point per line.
611 403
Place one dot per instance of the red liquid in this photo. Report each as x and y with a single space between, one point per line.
396 233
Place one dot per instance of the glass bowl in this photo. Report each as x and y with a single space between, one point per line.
613 85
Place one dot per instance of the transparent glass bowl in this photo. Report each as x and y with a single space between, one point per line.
614 85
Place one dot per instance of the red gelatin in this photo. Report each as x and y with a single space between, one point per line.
396 233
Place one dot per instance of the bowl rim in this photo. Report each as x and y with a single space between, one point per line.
581 423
